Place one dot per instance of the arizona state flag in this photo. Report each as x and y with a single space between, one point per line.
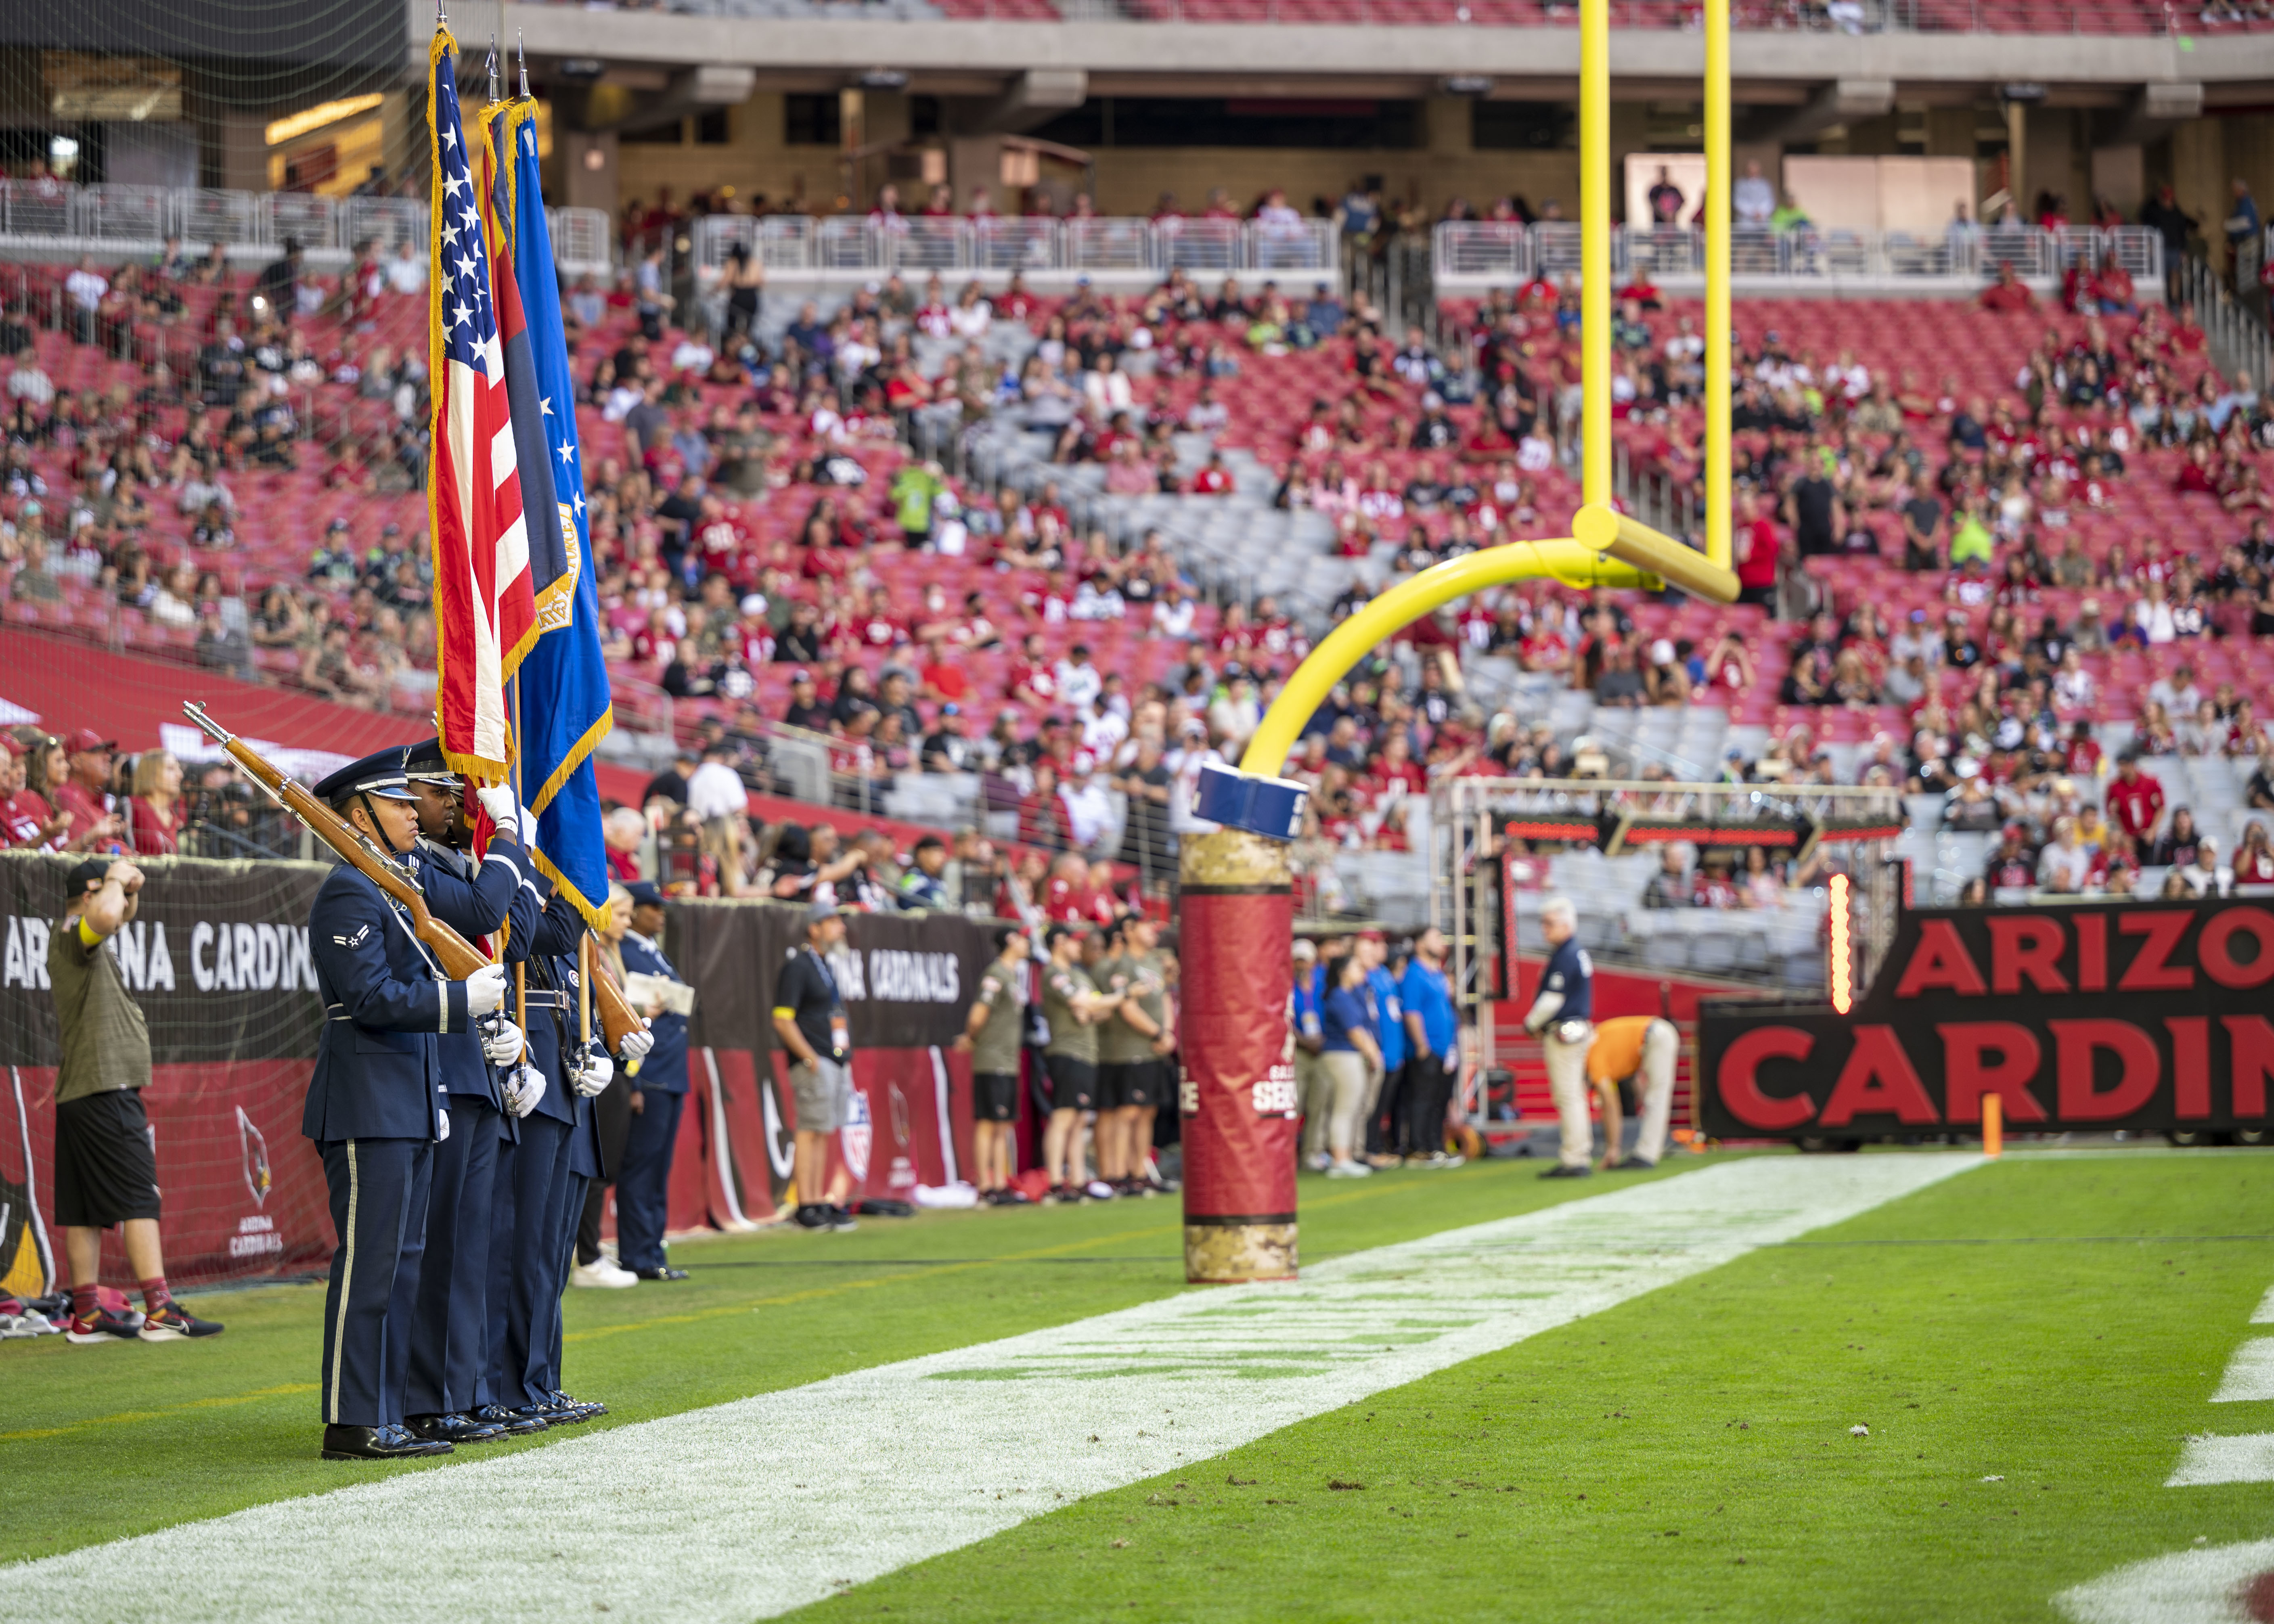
564 680
482 609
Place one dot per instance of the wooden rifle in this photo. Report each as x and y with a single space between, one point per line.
458 956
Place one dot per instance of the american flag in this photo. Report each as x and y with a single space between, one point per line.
483 603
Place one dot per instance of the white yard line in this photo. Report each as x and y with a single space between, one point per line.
751 1508
2249 1373
2247 1459
2265 1314
2186 1587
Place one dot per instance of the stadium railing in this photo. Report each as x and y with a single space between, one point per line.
1480 253
922 245
51 217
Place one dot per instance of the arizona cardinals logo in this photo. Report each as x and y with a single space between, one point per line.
256 1158
858 1138
898 1103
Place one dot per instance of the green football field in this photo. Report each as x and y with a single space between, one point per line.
2029 1345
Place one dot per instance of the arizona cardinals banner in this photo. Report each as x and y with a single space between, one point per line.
485 609
2143 1016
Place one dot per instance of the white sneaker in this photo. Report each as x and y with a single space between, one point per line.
1349 1169
602 1272
1319 1161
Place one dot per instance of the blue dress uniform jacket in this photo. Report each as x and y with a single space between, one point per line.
643 1183
374 1109
474 900
448 1309
379 1070
664 1070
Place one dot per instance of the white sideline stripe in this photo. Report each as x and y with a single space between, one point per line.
753 1507
2249 1373
2265 1314
2186 1587
2247 1459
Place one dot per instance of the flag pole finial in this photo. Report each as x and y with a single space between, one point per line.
522 51
441 17
494 94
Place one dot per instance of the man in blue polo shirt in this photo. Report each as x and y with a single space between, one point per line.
1385 1110
1432 1034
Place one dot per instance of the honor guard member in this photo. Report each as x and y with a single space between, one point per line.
811 1024
658 1092
991 1037
1627 1051
1561 1017
539 1194
449 1321
375 1109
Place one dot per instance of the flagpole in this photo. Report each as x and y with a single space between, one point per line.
521 970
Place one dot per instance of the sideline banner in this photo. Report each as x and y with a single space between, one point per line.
907 980
2144 1016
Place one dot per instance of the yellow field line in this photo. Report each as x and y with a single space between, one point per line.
125 1416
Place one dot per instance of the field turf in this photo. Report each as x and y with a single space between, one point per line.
2027 1343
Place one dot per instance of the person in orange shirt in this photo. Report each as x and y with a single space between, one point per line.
1628 1048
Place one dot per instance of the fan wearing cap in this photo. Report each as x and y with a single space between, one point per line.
811 1024
106 1168
658 1091
84 796
449 1319
375 1109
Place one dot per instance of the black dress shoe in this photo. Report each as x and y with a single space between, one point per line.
454 1429
580 1408
512 1422
543 1415
378 1443
666 1273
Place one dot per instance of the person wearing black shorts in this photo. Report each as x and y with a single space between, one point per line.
1129 1048
1073 1008
106 1161
991 1037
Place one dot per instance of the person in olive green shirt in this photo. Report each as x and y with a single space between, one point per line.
991 1038
1132 1051
1075 1009
106 1168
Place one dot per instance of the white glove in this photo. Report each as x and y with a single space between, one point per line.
593 1075
637 1044
486 991
503 1046
524 1086
443 1130
498 800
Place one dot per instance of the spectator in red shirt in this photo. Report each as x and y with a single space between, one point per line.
2135 801
154 814
25 819
1065 893
84 796
2009 294
1755 547
1042 815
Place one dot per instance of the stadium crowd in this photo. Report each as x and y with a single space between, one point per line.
775 563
